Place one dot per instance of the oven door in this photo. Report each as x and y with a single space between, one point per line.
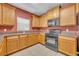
51 41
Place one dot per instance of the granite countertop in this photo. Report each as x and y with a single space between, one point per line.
2 35
68 34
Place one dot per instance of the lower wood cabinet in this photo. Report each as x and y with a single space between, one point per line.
12 44
3 47
67 45
23 40
41 38
33 39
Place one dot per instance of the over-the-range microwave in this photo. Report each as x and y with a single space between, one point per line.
53 22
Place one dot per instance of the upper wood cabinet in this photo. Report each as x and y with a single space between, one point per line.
0 14
77 8
53 13
68 16
8 14
35 21
43 21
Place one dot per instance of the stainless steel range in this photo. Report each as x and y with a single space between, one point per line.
52 39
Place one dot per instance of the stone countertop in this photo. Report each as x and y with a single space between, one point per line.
69 34
2 35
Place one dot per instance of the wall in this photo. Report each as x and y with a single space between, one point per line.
62 28
71 28
19 13
24 14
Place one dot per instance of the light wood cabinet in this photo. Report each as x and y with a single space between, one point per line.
41 38
33 39
67 45
3 47
53 13
23 41
0 14
35 21
68 16
77 8
8 14
43 21
12 44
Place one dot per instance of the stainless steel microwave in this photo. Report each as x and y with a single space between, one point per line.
53 22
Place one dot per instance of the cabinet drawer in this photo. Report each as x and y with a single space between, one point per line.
23 35
67 38
12 37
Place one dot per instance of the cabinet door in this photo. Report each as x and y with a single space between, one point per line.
35 21
50 14
12 44
41 38
3 47
71 47
8 15
30 41
53 13
61 45
68 16
23 41
34 38
43 21
0 13
67 46
77 8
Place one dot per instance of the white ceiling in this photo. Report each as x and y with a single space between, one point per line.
35 8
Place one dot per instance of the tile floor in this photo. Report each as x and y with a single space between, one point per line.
37 50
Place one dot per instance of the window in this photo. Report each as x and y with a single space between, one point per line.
23 24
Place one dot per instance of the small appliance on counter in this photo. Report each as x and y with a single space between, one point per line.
51 39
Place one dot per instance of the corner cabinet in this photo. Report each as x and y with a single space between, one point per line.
8 14
35 21
43 21
67 45
68 15
53 13
32 39
41 38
